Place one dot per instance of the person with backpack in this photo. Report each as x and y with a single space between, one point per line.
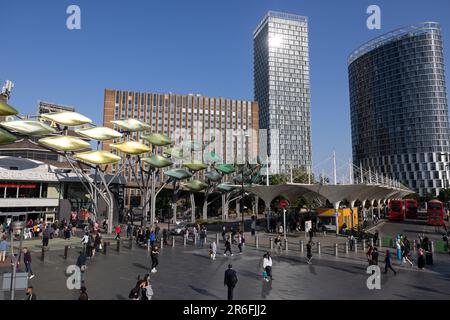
146 288
227 247
230 281
267 266
154 256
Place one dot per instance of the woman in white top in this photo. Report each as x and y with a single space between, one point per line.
267 265
213 250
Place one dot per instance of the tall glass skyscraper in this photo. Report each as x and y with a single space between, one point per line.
399 110
281 88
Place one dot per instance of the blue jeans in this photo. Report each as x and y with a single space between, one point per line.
28 268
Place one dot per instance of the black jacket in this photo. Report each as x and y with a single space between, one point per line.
27 257
230 279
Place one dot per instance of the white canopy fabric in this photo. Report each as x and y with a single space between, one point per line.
333 193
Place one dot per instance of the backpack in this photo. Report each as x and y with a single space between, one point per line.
134 293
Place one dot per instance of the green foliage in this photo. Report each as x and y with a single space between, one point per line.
444 195
413 196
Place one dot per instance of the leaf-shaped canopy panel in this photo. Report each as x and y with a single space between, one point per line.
178 174
64 143
195 185
157 161
157 139
195 165
66 118
131 125
28 127
212 157
226 187
213 175
97 157
131 147
7 110
226 168
193 145
6 137
99 133
174 152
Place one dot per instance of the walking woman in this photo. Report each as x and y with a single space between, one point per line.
267 265
421 259
369 255
146 288
308 253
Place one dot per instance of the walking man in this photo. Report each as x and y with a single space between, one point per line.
81 263
230 281
154 256
308 253
227 247
129 230
240 240
27 262
30 294
202 238
388 263
375 256
46 236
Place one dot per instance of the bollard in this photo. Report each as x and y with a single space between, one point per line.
66 249
364 245
130 245
195 239
118 245
271 243
256 241
217 238
301 246
336 249
173 242
432 247
414 246
346 247
162 243
148 245
324 233
43 253
184 241
105 244
380 243
355 245
286 245
371 242
318 247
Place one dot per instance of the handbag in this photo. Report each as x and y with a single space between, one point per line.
83 267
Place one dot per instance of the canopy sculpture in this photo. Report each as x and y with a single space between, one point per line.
213 178
55 138
333 193
143 161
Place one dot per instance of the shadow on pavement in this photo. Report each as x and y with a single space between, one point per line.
204 292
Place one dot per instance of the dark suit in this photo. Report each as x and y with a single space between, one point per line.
230 275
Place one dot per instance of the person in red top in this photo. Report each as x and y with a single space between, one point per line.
118 232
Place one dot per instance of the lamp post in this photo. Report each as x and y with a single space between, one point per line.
16 226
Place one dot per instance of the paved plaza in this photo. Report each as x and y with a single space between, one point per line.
187 273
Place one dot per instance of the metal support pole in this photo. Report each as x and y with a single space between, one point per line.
284 223
346 247
66 249
195 239
336 249
118 245
148 245
364 245
371 242
43 253
286 245
271 243
162 243
301 246
130 245
432 246
318 247
173 242
380 243
105 245
184 240
217 238
355 245
256 241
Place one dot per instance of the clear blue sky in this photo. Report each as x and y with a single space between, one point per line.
188 46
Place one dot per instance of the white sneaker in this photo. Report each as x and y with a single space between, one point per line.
225 254
32 276
232 254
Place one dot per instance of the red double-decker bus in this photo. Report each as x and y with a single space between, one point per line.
435 213
411 207
396 210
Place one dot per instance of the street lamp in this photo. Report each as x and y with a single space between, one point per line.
16 226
